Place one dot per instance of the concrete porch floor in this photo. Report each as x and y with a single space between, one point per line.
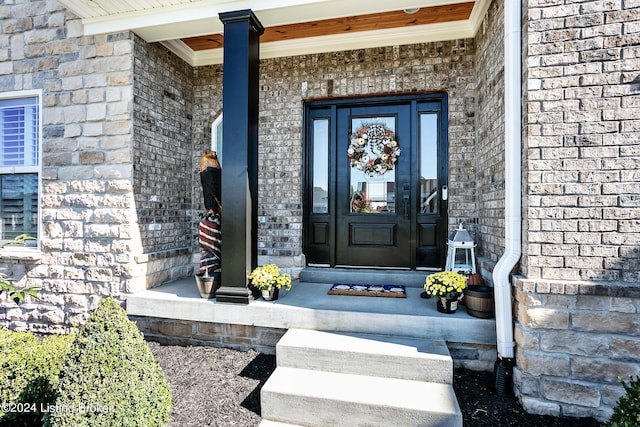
308 306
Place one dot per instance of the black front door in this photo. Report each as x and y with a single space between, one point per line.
376 182
373 191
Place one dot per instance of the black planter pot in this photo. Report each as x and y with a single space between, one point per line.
271 294
447 305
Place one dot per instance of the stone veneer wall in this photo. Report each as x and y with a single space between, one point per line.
577 316
86 195
574 340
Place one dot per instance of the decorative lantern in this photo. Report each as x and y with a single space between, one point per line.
461 256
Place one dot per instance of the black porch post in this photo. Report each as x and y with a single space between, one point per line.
240 94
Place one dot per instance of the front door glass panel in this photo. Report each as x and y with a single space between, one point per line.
428 163
321 166
373 152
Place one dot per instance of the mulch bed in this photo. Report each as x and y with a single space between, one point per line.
221 387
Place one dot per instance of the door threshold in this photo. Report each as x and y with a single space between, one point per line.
372 267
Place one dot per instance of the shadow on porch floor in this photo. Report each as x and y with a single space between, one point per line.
308 306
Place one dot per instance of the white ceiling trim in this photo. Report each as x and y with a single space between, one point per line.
115 9
478 13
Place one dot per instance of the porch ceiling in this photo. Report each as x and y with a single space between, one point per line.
192 29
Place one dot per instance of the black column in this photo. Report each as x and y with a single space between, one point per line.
240 94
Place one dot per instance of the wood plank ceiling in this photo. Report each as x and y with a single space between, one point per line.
193 31
347 25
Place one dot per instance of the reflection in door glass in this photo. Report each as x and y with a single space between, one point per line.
428 163
372 153
320 166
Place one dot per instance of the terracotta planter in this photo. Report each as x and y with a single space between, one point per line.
447 305
479 301
270 294
208 285
475 279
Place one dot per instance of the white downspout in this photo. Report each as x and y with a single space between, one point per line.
513 182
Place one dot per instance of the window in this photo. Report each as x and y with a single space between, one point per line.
216 137
19 165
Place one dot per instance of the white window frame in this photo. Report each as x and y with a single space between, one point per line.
215 144
26 251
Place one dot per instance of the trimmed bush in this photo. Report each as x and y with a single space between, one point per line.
29 368
627 410
110 377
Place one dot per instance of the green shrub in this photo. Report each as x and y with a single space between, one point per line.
6 283
110 377
627 410
29 368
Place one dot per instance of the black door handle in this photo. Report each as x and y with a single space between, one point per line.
406 187
406 206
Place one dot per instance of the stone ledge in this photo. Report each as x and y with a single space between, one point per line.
20 254
562 287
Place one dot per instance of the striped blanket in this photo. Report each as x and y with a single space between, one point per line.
209 236
209 263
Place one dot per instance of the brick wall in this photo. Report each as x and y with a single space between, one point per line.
577 306
207 93
184 332
163 163
583 157
488 153
286 82
162 146
264 339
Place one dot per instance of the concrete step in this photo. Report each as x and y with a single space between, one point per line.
320 398
364 276
269 423
365 354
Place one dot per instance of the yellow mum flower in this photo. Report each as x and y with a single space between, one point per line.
268 276
446 284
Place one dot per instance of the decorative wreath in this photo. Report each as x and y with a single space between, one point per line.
373 149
